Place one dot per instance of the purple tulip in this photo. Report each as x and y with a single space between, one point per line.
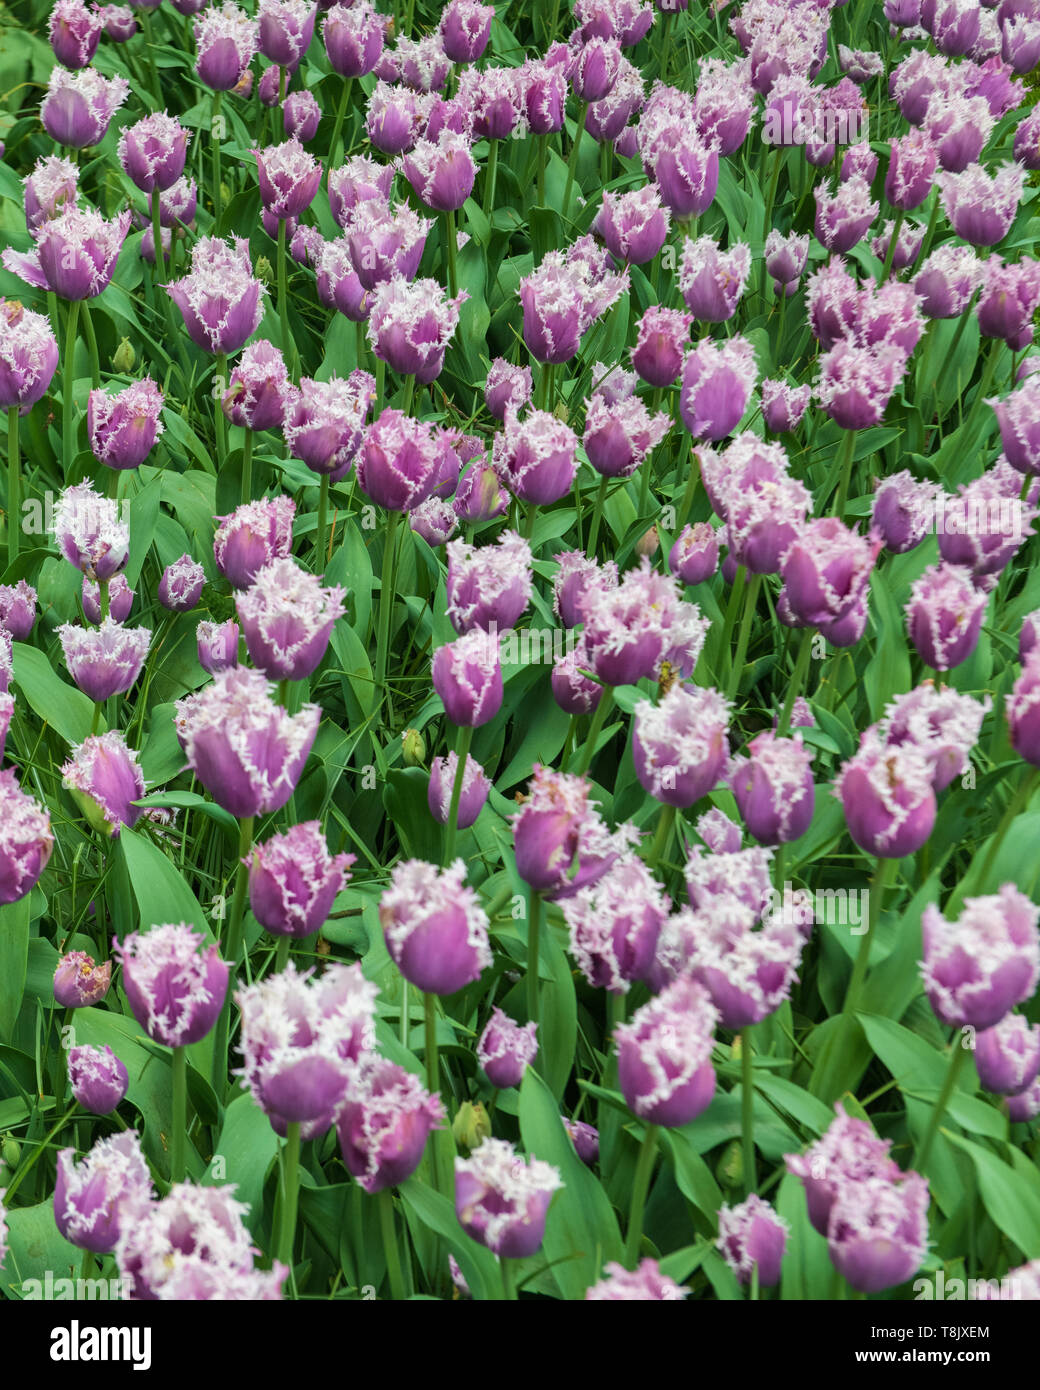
105 779
679 746
28 356
848 1153
152 152
384 1123
536 459
120 599
984 526
631 630
289 177
302 116
646 1284
226 42
959 126
287 619
435 927
178 203
684 166
564 297
982 208
325 422
562 845
385 243
774 788
505 1049
353 37
94 1198
1019 418
1027 141
17 609
614 925
51 187
293 880
174 991
977 969
661 343
441 172
479 495
724 103
619 436
785 260
694 557
217 645
712 281
98 1078
488 588
506 387
938 722
717 382
395 117
220 300
181 585
1009 299
410 326
888 797
1025 1107
878 1231
633 225
79 982
79 105
120 24
398 461
856 382
826 570
763 506
123 428
252 536
911 170
502 1201
75 253
465 28
105 660
903 511
608 118
664 1055
474 792
26 840
573 578
286 28
753 1237
1007 1056
573 692
467 675
542 88
843 218
585 1138
74 32
784 405
944 615
245 750
1022 708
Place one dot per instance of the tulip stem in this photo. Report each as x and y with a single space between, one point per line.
219 427
897 226
214 130
290 1191
747 1110
662 836
92 347
178 1129
247 468
640 1188
233 945
320 555
433 1080
878 884
160 255
505 1264
848 449
13 466
450 249
543 154
598 720
490 178
1018 802
344 101
104 598
281 954
572 162
533 933
957 1056
530 517
744 636
288 346
465 738
68 441
794 688
597 517
385 1201
386 600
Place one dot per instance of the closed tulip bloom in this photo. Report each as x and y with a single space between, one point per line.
353 37
245 750
217 645
785 260
717 381
572 691
685 168
441 172
120 599
98 1078
475 789
679 746
562 844
302 116
465 27
506 387
385 242
105 660
724 103
774 788
467 675
1019 418
175 991
575 575
959 126
178 203
944 615
51 187
856 383
479 495
826 569
120 24
834 302
1009 299
79 105
878 1231
888 797
396 117
947 281
220 299
357 181
843 218
325 422
398 461
293 880
747 972
287 619
1007 1056
75 253
712 281
542 88
505 1049
252 536
1026 147
536 458
152 152
632 630
1025 1107
91 1197
633 225
614 925
1028 635
384 1123
1022 709
980 207
286 28
694 557
764 507
258 390
226 41
752 1236
28 356
903 511
181 585
338 284
984 527
784 405
502 1201
124 427
977 969
647 1284
907 248
26 841
74 32
859 161
105 779
489 587
596 68
620 435
565 295
410 325
848 1153
913 82
17 609
289 178
664 1055
435 927
79 982
661 343
940 723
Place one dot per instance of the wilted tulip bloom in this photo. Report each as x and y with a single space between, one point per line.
174 990
217 645
475 788
49 189
646 1284
124 427
75 253
467 675
152 152
661 341
245 750
226 40
785 260
664 1055
220 299
395 117
502 1201
562 844
434 925
947 281
717 382
944 615
26 841
384 1122
194 1244
633 225
74 32
977 969
410 325
252 536
1009 299
79 982
105 779
940 723
536 458
774 788
353 37
784 405
289 178
712 281
856 383
28 356
980 207
17 609
98 1078
632 630
325 422
878 1230
694 557
1007 1056
91 1198
489 587
398 461
293 880
104 660
679 745
79 105
752 1236
888 797
505 1049
848 1153
842 218
614 925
